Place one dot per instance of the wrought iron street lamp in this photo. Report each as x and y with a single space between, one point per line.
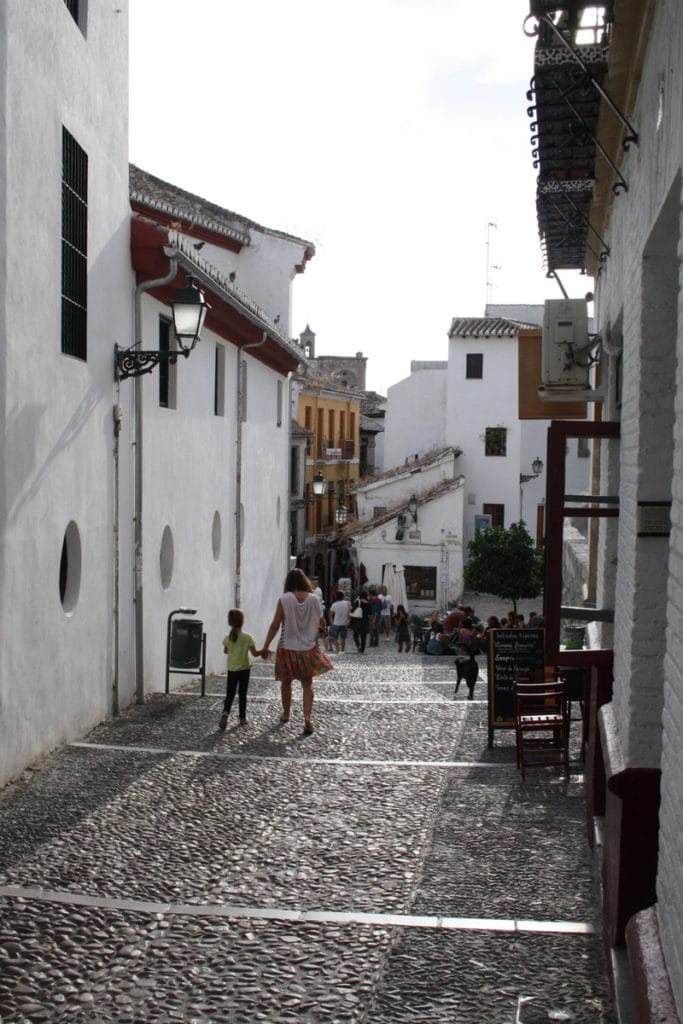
412 508
536 470
189 308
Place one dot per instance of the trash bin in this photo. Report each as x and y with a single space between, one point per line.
186 643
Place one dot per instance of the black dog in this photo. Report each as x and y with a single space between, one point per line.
466 668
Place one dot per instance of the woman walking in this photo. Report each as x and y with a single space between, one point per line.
360 623
402 630
300 615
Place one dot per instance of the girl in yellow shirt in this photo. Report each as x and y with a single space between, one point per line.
240 649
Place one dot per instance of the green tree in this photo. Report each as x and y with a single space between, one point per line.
505 563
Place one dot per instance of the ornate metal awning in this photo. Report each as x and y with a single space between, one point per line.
566 93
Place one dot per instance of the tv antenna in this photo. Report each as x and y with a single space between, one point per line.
489 266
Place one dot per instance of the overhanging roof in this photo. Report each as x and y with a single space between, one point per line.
485 327
233 315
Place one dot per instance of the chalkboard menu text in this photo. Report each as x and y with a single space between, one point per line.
510 651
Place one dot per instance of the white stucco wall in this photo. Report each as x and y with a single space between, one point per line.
474 405
56 457
190 461
414 422
264 269
640 291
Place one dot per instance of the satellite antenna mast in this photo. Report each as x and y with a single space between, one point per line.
489 266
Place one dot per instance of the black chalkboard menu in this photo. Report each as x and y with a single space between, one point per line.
510 650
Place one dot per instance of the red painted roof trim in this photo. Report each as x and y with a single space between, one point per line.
150 263
187 226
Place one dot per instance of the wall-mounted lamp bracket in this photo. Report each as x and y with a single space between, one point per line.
133 362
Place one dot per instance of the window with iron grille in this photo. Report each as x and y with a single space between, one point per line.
496 439
74 247
167 370
219 381
379 511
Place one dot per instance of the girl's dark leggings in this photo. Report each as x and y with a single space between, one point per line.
238 682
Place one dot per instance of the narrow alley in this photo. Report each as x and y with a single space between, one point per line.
388 869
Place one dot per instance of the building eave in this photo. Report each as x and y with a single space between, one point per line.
233 315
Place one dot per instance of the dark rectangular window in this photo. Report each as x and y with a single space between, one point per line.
497 513
219 382
475 366
420 582
74 248
164 365
496 441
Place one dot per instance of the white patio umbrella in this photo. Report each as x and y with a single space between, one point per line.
394 580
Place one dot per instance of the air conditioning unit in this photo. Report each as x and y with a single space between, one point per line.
565 332
565 362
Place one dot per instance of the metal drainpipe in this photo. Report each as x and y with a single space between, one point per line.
137 486
238 470
116 555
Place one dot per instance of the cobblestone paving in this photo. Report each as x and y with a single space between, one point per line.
388 869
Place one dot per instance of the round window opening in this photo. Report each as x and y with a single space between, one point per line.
166 558
216 536
70 568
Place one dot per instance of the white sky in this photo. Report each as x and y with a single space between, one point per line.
387 132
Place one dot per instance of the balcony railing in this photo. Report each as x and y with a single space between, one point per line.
328 449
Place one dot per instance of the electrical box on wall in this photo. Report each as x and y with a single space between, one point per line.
565 334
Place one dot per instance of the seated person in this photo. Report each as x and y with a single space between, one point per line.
469 641
435 620
453 620
416 623
438 643
470 613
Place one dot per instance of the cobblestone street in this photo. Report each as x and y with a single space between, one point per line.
387 869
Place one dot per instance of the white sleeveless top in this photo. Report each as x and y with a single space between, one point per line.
302 621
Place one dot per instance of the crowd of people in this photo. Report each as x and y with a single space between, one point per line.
303 623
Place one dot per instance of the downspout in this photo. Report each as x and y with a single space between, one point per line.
238 468
137 483
116 610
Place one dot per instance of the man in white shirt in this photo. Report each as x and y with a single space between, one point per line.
387 612
339 619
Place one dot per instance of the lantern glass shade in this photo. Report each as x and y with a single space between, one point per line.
189 312
412 507
318 484
341 515
537 467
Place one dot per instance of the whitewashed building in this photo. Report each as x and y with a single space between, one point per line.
414 421
67 287
216 445
479 400
122 501
412 516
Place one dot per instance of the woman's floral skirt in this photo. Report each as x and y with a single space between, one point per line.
291 665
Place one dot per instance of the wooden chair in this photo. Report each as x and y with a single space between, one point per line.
541 720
